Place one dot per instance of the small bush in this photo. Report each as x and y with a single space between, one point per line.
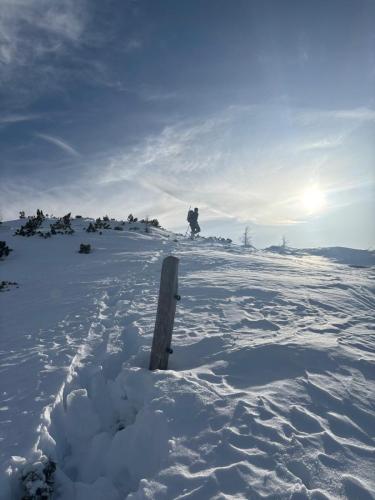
102 224
84 248
31 227
63 225
91 228
154 223
131 218
5 285
218 239
4 249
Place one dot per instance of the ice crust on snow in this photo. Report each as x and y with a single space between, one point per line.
270 391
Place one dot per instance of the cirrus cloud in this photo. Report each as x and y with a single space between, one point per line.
60 143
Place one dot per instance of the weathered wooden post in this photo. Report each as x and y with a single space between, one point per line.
161 343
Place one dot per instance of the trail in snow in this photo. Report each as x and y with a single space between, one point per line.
270 392
56 322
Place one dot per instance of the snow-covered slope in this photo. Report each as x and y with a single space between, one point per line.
348 256
270 391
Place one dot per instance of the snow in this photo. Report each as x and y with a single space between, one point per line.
348 256
269 392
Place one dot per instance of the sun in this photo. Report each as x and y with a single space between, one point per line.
314 200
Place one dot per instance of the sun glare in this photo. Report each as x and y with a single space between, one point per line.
313 200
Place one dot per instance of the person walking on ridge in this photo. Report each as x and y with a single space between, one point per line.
192 219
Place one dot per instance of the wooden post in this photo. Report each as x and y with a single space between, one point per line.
161 343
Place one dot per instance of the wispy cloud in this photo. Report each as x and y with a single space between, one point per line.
59 143
45 45
132 45
34 35
16 118
31 28
314 116
323 143
151 94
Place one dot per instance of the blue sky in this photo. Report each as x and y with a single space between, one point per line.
261 113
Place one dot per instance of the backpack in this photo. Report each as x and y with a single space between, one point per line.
190 217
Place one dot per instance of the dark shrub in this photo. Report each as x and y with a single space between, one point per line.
63 225
31 226
154 222
4 249
91 228
102 224
84 248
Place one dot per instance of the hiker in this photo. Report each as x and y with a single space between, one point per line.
192 219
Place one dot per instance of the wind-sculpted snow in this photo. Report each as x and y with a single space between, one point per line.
270 391
348 256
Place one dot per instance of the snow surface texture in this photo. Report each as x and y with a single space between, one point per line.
270 392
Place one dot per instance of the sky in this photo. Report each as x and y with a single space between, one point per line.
259 112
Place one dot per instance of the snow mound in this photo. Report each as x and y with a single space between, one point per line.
349 256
